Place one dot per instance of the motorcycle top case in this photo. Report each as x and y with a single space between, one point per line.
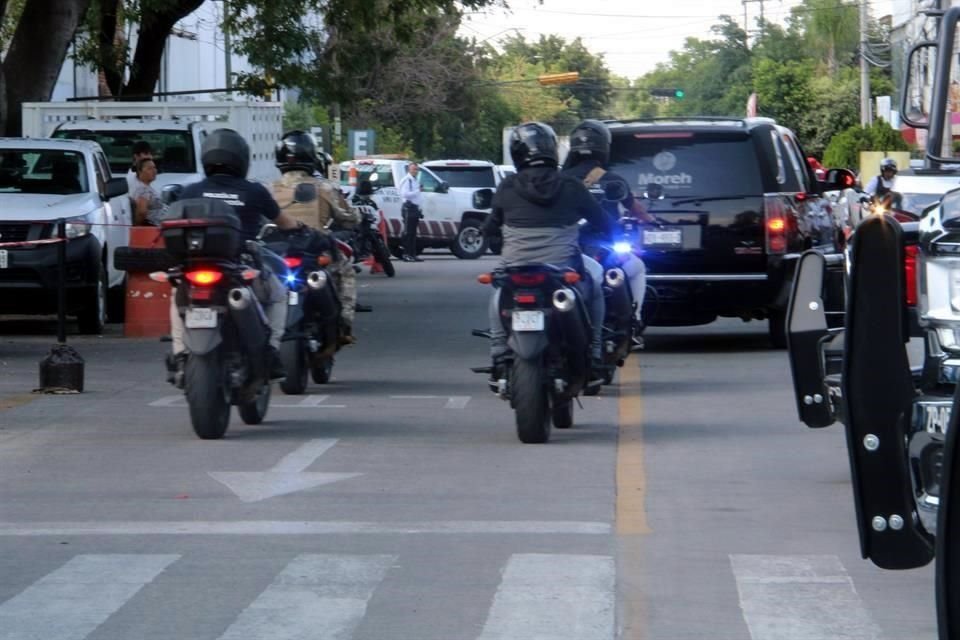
202 227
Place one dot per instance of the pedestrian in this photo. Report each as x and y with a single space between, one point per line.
141 150
147 206
412 213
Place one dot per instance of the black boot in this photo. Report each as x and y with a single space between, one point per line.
175 368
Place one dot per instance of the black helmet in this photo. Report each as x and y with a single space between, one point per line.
589 140
533 144
296 151
322 163
888 163
225 151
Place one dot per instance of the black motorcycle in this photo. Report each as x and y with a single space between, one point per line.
365 239
548 331
312 335
226 332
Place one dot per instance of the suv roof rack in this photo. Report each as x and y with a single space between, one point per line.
695 120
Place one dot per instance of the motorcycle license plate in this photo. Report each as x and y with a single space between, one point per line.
662 238
4 259
201 318
293 298
528 320
932 417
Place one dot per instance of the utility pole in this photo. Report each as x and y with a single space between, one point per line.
866 118
745 27
227 50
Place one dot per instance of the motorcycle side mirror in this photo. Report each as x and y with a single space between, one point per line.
305 192
266 230
171 193
615 191
482 198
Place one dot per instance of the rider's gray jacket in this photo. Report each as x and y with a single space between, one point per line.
539 210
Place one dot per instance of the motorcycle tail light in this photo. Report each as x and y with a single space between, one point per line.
200 293
293 262
571 277
910 273
525 298
324 260
204 277
528 279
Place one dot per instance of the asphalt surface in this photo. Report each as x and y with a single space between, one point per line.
396 502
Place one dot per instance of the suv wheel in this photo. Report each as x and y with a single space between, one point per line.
470 242
93 313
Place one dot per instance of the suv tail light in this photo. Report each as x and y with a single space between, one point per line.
780 223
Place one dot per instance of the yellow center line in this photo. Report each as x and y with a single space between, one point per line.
631 474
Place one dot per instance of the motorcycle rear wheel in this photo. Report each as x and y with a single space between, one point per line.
530 402
295 363
207 395
254 412
382 256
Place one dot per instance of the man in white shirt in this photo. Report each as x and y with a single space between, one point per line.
410 195
881 187
141 150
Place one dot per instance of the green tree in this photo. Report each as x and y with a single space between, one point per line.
831 30
844 149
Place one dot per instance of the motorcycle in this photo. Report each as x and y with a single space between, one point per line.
364 238
312 335
548 331
226 332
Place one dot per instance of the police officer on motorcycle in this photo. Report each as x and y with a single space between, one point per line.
299 162
538 211
587 161
881 187
225 156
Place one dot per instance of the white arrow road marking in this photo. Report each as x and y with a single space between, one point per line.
71 602
453 402
287 476
317 596
800 597
307 402
556 596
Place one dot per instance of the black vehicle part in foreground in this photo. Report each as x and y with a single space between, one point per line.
878 390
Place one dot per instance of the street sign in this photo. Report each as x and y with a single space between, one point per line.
360 142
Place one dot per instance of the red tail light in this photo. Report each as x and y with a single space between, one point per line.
528 279
525 298
910 273
293 263
778 224
204 277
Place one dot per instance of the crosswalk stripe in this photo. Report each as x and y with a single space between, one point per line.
71 602
555 596
800 597
316 597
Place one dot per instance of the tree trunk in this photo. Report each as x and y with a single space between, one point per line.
111 63
39 44
155 26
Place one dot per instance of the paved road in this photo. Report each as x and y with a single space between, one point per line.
396 502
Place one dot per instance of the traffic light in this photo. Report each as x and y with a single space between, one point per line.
668 93
568 77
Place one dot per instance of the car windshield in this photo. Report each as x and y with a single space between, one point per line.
465 176
917 202
172 149
687 164
366 171
46 171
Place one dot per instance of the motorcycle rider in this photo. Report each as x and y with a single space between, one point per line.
881 187
538 212
225 156
299 162
587 161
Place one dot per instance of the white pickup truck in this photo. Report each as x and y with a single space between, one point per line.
449 218
175 131
42 181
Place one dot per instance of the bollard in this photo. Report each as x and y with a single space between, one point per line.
61 371
147 303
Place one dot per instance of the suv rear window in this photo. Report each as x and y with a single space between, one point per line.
172 149
688 164
364 171
470 177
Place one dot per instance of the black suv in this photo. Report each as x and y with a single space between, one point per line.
738 204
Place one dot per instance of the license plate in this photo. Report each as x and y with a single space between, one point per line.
528 321
201 318
4 260
932 417
662 238
293 298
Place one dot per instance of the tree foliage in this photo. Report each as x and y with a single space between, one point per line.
844 149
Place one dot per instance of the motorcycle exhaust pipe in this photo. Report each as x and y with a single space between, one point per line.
248 319
564 300
615 277
317 279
